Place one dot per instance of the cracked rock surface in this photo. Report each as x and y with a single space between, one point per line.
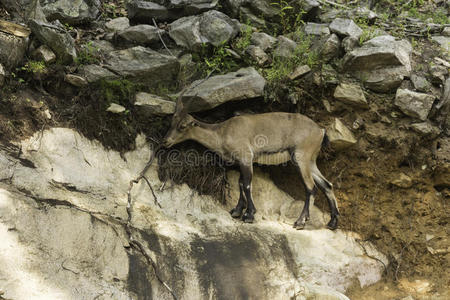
63 227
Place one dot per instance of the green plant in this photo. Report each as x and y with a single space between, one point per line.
215 59
245 39
290 16
88 54
118 91
35 67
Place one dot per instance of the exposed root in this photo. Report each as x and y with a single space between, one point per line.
133 242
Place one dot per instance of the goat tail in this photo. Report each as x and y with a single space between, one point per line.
325 140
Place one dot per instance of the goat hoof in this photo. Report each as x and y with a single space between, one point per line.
236 213
248 218
332 225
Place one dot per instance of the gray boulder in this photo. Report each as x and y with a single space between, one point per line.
426 129
351 94
24 9
416 105
71 12
166 10
329 47
154 105
244 84
340 136
55 36
44 53
258 55
443 41
316 29
381 63
140 35
299 72
420 83
12 50
95 73
117 24
143 64
212 27
285 48
345 27
263 40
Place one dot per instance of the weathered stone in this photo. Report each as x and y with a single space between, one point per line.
258 55
71 12
340 136
329 47
140 35
64 234
263 40
24 9
2 75
440 61
143 64
381 63
145 11
441 175
299 72
241 85
118 24
285 48
115 108
349 43
438 74
12 50
420 83
416 105
75 80
346 27
316 29
443 41
94 73
446 31
426 129
351 94
212 27
102 46
55 36
45 54
154 105
402 181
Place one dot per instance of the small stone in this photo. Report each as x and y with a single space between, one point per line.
351 94
416 105
420 83
429 237
115 108
349 43
329 48
438 74
154 104
44 53
142 34
258 55
443 41
316 29
446 31
419 286
299 72
94 73
426 129
340 136
408 298
2 75
403 181
118 24
440 61
286 47
47 114
75 80
346 27
263 40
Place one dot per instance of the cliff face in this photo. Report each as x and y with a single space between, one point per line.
67 234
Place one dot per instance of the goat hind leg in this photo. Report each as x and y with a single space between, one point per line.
237 211
327 189
310 190
247 174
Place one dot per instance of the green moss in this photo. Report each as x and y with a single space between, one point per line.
215 59
119 91
88 55
35 67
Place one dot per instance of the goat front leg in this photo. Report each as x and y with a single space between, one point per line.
247 174
237 211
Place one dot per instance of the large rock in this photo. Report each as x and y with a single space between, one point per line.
163 10
381 63
212 27
24 9
143 64
263 40
71 12
351 94
285 48
95 73
63 226
154 105
340 136
117 24
328 47
416 105
12 49
55 36
346 27
140 35
241 85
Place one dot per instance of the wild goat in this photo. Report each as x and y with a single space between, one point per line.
270 138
